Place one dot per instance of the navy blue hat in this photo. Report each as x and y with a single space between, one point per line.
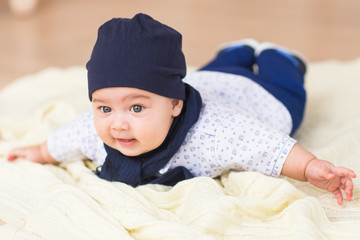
139 52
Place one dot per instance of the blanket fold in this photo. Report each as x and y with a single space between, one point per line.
70 202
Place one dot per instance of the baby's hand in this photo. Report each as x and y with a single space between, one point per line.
324 175
32 154
38 154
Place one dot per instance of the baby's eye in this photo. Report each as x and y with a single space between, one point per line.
137 108
105 109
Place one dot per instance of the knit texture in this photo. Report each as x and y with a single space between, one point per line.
70 202
139 52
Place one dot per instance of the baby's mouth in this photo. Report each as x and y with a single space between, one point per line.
126 142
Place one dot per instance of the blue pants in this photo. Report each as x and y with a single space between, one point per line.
277 73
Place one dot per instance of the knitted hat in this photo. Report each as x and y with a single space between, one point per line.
139 52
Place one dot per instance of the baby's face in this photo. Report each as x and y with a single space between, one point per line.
131 120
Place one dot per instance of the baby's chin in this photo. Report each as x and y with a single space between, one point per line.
133 148
134 153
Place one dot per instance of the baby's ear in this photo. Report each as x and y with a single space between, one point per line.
177 105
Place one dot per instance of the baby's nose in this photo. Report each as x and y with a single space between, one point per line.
120 123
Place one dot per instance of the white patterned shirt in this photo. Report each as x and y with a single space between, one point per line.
241 127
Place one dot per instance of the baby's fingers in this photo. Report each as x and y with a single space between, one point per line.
348 186
24 153
341 172
14 154
345 176
337 193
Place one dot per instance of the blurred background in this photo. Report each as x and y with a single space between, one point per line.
36 34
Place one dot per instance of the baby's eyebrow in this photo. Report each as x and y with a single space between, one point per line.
95 100
137 96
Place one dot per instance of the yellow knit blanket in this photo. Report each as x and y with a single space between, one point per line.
70 202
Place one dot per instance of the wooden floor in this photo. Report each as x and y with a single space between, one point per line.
61 33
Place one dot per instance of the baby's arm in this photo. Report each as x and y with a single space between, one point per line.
304 166
74 140
38 154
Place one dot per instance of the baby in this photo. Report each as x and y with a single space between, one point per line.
149 124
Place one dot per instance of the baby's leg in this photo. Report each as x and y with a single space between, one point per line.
280 65
282 72
233 57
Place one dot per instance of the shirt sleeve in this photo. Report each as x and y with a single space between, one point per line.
77 140
244 143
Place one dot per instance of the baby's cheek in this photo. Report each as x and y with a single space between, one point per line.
102 130
153 138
